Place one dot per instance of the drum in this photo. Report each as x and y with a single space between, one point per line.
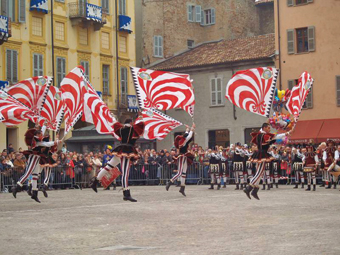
308 169
110 176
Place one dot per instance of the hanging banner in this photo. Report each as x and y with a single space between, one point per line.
39 5
132 103
94 12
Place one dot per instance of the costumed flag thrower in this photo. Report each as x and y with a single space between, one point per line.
163 90
299 94
253 89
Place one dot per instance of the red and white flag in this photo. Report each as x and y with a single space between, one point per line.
13 112
253 89
163 90
31 92
52 110
72 97
299 94
157 124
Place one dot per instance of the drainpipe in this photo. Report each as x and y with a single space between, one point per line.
117 67
52 43
279 39
234 107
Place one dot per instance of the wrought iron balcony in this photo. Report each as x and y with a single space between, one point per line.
87 14
5 29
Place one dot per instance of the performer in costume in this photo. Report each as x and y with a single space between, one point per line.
247 155
266 173
238 166
252 161
297 166
224 166
263 139
184 158
34 140
214 168
310 161
275 166
321 166
328 157
124 154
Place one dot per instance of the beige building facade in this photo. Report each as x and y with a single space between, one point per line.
172 26
307 39
104 49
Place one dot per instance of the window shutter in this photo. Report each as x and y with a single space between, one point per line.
160 51
198 10
338 90
310 1
22 11
35 65
4 8
291 84
311 38
213 16
15 66
190 14
202 18
290 41
290 3
309 99
41 65
9 65
155 46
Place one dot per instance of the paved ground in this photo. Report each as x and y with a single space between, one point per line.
284 221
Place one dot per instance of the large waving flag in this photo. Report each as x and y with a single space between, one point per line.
253 89
31 92
163 90
72 97
157 124
299 94
12 111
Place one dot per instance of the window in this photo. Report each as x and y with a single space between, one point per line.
308 104
122 7
123 85
62 1
158 46
216 91
83 36
298 2
8 9
105 6
338 90
105 40
208 17
301 2
61 69
38 65
86 66
302 40
194 13
191 44
106 80
22 11
304 37
122 44
247 132
37 26
60 31
12 66
219 138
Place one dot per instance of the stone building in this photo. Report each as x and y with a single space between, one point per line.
172 26
211 65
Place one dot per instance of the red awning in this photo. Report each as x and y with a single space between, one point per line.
329 130
306 130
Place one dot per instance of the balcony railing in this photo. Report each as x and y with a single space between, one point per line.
85 12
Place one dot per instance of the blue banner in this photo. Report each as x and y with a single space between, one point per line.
3 84
39 5
94 12
125 23
132 103
100 94
4 25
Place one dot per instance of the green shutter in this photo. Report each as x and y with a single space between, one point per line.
9 65
290 41
291 84
15 66
309 99
4 7
338 90
22 11
290 2
311 38
310 1
213 17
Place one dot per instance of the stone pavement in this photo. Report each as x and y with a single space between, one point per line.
284 221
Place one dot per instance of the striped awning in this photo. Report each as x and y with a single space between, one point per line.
39 5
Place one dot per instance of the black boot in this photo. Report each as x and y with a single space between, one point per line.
29 190
308 189
334 185
296 186
254 193
167 186
247 190
178 184
127 196
329 185
16 188
94 183
322 184
277 185
271 185
237 187
314 187
35 196
302 185
114 186
44 190
218 186
224 186
268 187
181 190
211 186
264 187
